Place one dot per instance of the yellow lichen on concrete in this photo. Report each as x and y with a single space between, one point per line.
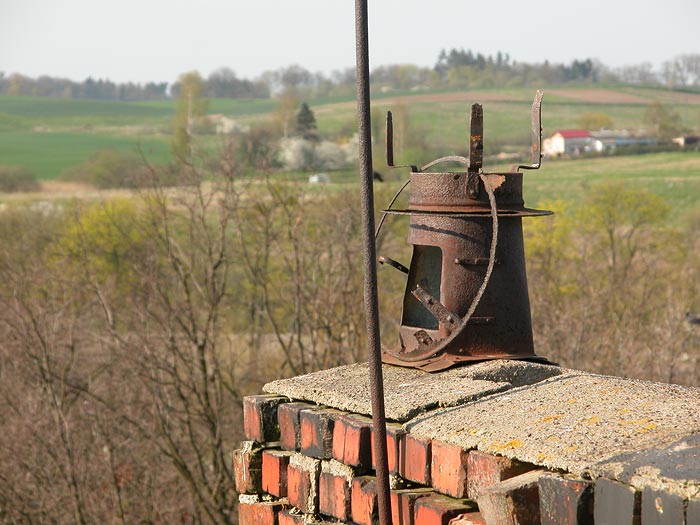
546 419
645 425
500 447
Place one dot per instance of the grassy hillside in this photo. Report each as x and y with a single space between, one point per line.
673 176
48 135
47 154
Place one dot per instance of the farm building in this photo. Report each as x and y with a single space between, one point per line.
571 142
613 139
688 141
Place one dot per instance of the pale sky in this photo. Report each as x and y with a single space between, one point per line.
156 40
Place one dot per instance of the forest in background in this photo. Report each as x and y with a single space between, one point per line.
454 68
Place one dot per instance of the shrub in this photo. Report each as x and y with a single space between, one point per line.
17 178
109 168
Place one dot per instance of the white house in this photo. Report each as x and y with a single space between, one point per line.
571 142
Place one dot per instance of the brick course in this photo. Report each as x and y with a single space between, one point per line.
334 489
483 470
416 463
260 513
565 500
288 420
616 504
512 502
661 508
403 504
352 441
247 468
260 417
274 472
439 510
363 504
470 518
448 469
394 445
316 429
302 483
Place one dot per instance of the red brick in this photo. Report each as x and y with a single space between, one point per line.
395 448
260 417
448 469
403 502
692 515
260 513
334 495
483 470
513 501
274 472
288 420
352 441
416 463
247 468
363 501
287 517
439 510
302 483
316 428
565 500
616 503
470 518
661 508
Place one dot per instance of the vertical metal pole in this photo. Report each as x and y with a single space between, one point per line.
370 260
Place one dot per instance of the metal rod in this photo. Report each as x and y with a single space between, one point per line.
370 261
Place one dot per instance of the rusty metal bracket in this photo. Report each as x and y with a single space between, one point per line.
476 138
435 307
390 145
477 261
394 264
536 131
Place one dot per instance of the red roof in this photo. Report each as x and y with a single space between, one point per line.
573 133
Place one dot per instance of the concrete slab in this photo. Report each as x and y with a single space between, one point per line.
409 392
570 422
673 468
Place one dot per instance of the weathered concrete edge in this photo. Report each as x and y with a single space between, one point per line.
665 468
410 392
643 467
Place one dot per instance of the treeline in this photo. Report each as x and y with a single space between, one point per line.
90 88
222 83
455 68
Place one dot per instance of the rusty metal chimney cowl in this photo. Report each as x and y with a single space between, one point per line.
466 295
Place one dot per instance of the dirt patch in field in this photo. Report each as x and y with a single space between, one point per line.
447 97
57 186
600 96
461 96
675 97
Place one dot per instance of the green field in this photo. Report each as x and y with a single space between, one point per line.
47 154
49 135
673 176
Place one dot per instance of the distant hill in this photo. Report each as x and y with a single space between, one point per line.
47 135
